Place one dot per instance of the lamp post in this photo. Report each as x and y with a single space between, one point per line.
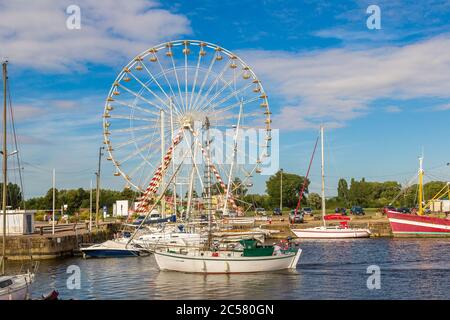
281 190
97 194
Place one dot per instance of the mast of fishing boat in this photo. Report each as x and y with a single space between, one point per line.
5 163
420 186
323 176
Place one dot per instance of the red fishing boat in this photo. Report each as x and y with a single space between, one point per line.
415 225
403 224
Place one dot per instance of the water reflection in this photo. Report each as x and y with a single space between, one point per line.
273 285
410 269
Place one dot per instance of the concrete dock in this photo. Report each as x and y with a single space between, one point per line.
65 242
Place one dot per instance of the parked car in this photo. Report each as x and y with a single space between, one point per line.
342 211
260 211
295 218
139 220
307 211
357 210
404 210
277 212
388 208
154 215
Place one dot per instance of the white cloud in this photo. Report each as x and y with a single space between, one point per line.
338 85
442 107
24 112
33 34
392 109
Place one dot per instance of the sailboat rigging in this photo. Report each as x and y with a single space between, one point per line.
324 231
12 287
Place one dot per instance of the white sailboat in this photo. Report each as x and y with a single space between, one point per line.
251 259
12 287
329 232
167 237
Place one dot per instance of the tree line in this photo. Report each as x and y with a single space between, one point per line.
357 192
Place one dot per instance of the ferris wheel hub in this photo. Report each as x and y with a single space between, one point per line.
188 122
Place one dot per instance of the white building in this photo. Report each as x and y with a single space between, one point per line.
121 208
440 206
18 222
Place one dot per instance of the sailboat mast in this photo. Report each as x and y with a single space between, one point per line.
163 199
4 167
323 175
420 186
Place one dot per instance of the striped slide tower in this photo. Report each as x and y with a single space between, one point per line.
144 200
153 186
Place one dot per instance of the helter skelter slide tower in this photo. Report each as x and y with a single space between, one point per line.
161 120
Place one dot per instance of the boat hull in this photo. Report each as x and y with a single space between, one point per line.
331 233
17 294
111 253
408 225
112 249
222 264
20 289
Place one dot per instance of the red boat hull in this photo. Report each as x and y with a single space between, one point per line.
336 216
413 225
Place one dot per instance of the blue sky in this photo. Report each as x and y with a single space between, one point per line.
383 95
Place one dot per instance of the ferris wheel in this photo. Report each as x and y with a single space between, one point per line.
177 96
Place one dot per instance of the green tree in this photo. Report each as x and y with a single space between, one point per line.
194 194
14 197
292 185
343 190
315 200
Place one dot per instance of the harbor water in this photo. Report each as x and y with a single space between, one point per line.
409 269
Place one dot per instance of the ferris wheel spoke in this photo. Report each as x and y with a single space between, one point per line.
215 81
178 82
234 116
205 78
131 117
131 141
131 129
137 168
165 103
226 86
177 106
137 95
195 77
140 150
226 98
234 105
136 107
155 80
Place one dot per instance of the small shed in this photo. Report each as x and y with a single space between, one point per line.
121 208
18 222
